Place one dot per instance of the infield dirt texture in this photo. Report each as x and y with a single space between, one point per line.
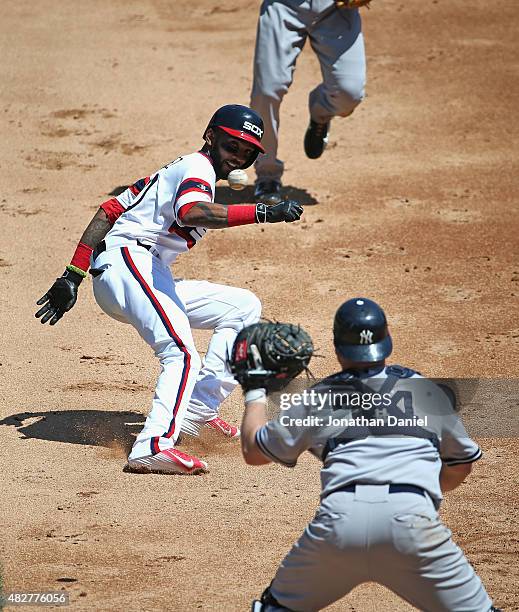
415 206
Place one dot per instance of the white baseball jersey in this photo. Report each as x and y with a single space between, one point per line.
149 210
379 448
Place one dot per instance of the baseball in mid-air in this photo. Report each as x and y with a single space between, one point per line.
238 179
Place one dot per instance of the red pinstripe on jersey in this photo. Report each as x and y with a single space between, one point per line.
155 215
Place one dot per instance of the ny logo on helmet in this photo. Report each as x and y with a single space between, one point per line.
247 125
366 336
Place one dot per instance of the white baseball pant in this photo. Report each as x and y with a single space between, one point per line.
133 286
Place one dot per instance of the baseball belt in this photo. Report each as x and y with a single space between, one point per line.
393 488
101 248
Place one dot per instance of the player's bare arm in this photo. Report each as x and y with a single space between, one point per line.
254 417
204 214
62 296
219 216
451 476
97 229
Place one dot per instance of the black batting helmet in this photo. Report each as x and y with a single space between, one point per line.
241 122
360 331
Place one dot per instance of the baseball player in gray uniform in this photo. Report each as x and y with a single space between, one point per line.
335 34
386 463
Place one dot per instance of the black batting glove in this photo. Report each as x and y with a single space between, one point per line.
60 298
287 211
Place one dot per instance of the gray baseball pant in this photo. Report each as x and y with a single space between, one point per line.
371 535
283 28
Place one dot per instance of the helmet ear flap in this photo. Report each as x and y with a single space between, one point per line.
209 127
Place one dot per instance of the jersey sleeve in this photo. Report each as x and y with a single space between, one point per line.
114 207
196 184
282 440
456 446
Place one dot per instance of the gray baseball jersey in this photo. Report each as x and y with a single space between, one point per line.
378 432
373 452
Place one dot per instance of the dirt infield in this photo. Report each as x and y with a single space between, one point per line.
414 205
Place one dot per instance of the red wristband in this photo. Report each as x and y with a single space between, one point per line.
81 257
240 214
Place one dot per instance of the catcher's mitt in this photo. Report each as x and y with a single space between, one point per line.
270 355
351 4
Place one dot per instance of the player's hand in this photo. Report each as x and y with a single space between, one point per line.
268 356
287 211
60 298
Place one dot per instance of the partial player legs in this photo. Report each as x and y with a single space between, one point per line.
226 310
339 45
427 568
316 572
395 539
175 383
279 41
136 288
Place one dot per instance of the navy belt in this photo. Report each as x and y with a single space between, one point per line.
393 488
101 248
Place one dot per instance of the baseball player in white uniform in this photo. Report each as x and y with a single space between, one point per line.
335 35
391 445
130 244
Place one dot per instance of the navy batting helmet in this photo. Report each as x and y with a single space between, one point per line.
241 122
360 331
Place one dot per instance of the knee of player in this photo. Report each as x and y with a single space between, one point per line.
268 92
250 307
347 97
247 309
195 361
174 354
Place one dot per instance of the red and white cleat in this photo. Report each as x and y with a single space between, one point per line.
170 461
224 428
